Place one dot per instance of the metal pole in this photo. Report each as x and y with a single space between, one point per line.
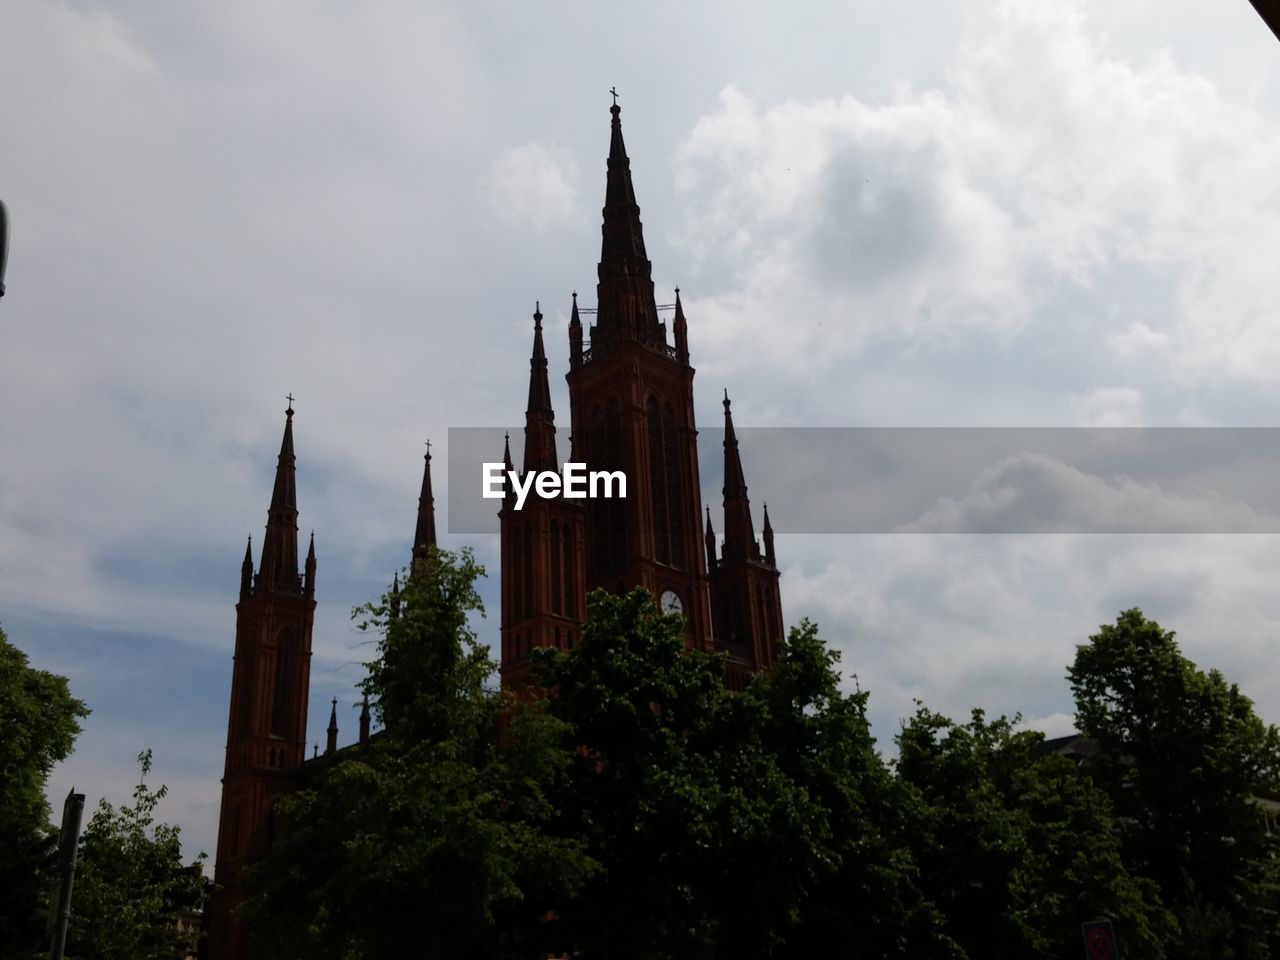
4 242
68 846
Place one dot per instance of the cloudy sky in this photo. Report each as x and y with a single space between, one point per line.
889 213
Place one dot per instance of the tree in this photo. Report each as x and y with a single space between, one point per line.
40 720
1015 847
429 835
761 824
1182 756
131 883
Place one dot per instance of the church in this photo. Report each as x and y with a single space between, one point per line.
631 410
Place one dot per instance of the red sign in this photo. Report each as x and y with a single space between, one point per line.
1099 941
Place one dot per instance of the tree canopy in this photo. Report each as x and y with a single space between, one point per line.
40 721
638 808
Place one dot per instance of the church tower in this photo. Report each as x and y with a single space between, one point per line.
267 728
745 596
543 566
631 409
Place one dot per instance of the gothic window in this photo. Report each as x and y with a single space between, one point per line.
675 515
527 569
280 694
557 577
658 485
517 581
570 571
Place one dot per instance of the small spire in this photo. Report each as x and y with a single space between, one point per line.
246 571
309 583
539 417
393 602
424 535
507 469
681 327
710 539
315 750
768 539
279 566
575 335
332 745
739 533
364 721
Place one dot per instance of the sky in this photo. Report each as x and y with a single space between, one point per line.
880 215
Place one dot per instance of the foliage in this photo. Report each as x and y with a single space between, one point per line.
428 836
40 720
1182 756
725 825
1015 848
130 882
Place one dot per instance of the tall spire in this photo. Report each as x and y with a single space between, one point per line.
626 309
539 418
424 535
331 745
739 534
623 233
364 721
279 567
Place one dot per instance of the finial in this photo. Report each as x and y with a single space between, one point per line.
428 449
315 750
289 412
677 293
726 398
614 91
537 313
335 703
575 296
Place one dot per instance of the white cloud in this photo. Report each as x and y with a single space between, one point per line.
1108 407
535 185
1035 493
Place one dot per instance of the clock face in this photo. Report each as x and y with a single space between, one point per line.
669 602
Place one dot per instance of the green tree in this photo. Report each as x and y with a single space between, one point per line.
761 824
40 720
427 839
1182 756
1016 848
130 882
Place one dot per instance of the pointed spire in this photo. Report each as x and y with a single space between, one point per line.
539 418
332 744
393 602
681 332
279 567
739 534
246 571
768 539
710 539
309 583
424 535
364 721
625 305
575 335
507 467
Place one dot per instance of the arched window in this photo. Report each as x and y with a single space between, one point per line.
658 485
671 464
280 688
557 574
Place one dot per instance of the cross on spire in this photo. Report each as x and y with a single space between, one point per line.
614 91
289 397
